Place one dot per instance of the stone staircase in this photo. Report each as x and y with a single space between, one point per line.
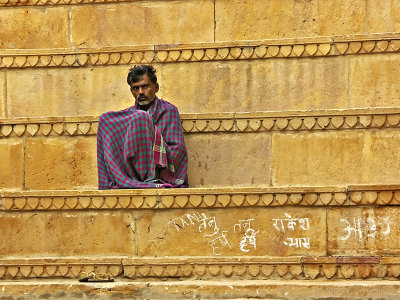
291 117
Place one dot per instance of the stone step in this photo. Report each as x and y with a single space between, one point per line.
283 75
204 21
319 148
276 222
200 289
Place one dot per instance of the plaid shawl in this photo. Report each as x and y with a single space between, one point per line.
132 142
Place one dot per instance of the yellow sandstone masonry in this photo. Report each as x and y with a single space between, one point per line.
384 16
228 160
203 289
222 232
375 81
67 92
61 163
31 28
363 231
11 163
70 163
2 94
66 234
160 22
252 20
336 158
269 85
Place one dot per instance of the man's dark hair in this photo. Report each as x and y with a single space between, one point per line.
137 72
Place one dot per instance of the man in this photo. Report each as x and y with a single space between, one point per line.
142 146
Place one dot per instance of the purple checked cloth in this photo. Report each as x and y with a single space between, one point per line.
132 144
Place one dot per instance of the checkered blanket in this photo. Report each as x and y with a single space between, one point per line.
141 149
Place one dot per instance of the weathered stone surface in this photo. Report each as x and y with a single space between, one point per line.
2 94
203 289
61 163
271 85
229 232
383 16
67 92
161 22
332 158
31 28
228 160
252 20
66 234
363 231
11 163
70 163
374 81
92 91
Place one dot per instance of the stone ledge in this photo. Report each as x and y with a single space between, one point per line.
218 51
198 198
378 118
57 2
203 267
196 289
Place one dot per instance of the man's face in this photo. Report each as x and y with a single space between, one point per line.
144 90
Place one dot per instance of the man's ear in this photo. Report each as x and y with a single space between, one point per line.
157 87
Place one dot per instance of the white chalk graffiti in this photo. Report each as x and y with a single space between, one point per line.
291 223
297 242
206 225
288 224
222 241
249 237
361 227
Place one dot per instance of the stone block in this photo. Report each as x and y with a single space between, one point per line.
255 20
12 163
66 234
228 160
374 81
383 16
363 231
341 17
236 232
33 28
256 85
2 94
67 92
160 22
335 158
61 163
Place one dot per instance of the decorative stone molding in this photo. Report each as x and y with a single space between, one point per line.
366 195
96 269
55 2
247 267
218 122
198 198
218 51
265 268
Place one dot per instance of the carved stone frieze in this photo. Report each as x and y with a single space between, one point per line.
225 122
198 198
90 269
204 268
54 2
219 51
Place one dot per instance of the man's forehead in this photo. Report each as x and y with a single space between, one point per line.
144 79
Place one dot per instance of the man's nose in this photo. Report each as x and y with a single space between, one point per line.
141 90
